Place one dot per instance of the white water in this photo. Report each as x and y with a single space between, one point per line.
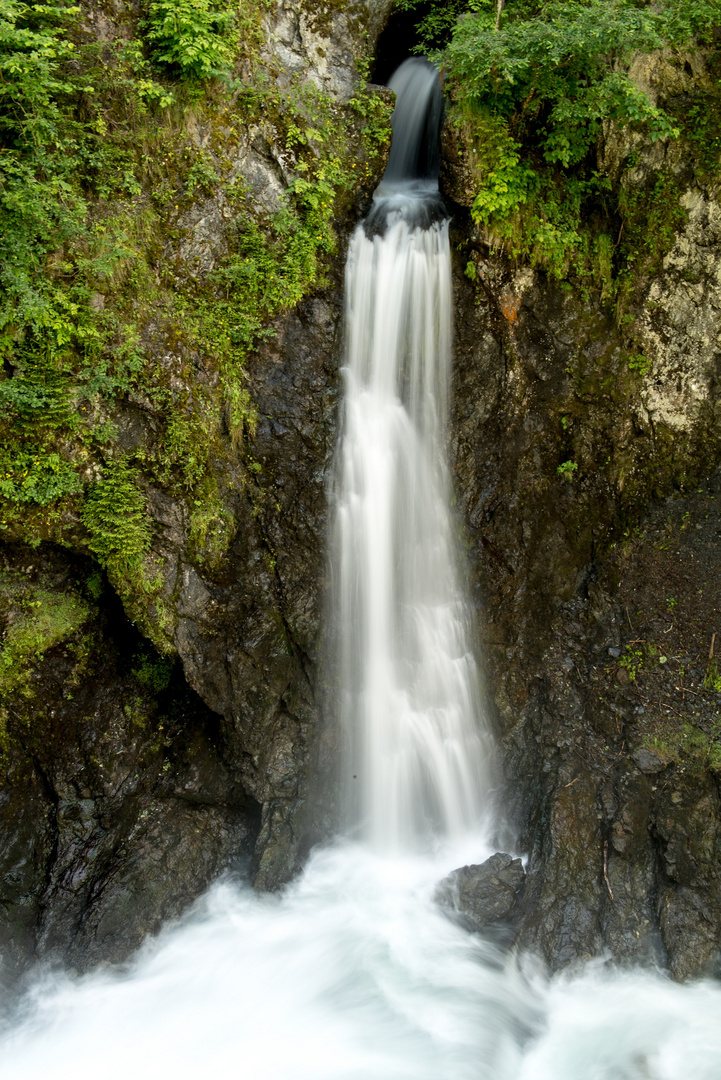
410 698
415 747
354 973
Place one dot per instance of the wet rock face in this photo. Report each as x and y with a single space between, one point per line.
613 752
249 634
485 895
119 805
121 802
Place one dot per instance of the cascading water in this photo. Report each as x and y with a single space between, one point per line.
353 973
417 756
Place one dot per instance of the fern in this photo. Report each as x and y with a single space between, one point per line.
115 516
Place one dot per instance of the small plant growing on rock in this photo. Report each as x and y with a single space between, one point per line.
567 469
640 363
712 678
635 656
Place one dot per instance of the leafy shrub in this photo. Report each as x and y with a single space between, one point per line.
35 476
39 200
532 89
554 70
192 35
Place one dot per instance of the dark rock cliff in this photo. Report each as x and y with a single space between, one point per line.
593 613
592 527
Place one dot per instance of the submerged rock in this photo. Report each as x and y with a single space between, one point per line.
483 895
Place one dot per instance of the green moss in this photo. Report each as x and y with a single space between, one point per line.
152 672
712 678
688 745
651 216
44 620
212 527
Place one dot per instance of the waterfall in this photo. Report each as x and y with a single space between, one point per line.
416 761
354 973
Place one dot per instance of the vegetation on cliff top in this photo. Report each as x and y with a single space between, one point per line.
535 84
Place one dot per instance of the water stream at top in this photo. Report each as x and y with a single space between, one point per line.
353 973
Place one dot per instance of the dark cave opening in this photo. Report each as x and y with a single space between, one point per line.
396 43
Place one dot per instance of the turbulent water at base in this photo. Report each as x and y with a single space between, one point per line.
354 973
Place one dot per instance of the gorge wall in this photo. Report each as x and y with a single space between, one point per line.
162 724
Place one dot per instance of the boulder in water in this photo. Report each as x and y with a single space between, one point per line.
484 895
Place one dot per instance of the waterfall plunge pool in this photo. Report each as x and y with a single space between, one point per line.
354 973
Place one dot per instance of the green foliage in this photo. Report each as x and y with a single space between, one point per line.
51 160
567 469
638 362
212 526
651 216
187 444
114 514
507 180
533 96
437 20
38 196
201 177
701 121
98 326
95 584
28 476
192 36
633 660
682 20
689 745
553 70
275 263
640 656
